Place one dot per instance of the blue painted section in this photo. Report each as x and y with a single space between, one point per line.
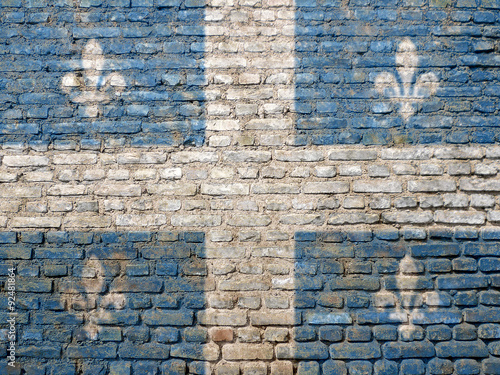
128 73
388 303
345 50
106 302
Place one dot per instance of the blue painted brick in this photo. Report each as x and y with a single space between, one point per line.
167 335
32 237
139 236
490 234
387 235
466 234
166 269
305 236
111 237
197 237
8 237
57 237
82 238
194 301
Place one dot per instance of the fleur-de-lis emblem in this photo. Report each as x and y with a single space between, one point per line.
93 86
406 90
90 294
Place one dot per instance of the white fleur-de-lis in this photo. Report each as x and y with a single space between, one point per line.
93 86
405 90
88 293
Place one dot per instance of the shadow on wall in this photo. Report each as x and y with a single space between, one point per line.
390 305
367 73
110 302
139 86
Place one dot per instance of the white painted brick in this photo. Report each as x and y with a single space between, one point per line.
74 159
25 161
142 158
38 176
64 189
196 220
184 157
171 173
14 191
169 205
269 124
118 174
460 217
141 220
299 155
96 221
333 187
36 222
172 189
118 190
247 156
223 125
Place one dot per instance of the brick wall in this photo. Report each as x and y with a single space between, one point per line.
250 187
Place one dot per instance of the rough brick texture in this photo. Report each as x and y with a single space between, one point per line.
250 187
163 300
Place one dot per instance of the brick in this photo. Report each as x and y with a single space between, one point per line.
118 190
419 349
19 161
462 282
437 317
469 184
167 318
435 250
196 220
142 158
36 222
124 318
243 284
459 217
458 349
87 222
99 351
328 318
268 124
326 187
407 154
20 192
225 189
274 318
75 159
247 156
216 318
275 188
151 285
302 351
354 283
250 221
299 156
355 351
459 153
353 218
407 283
208 352
181 189
247 352
40 351
141 220
144 351
431 186
377 187
408 217
352 154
